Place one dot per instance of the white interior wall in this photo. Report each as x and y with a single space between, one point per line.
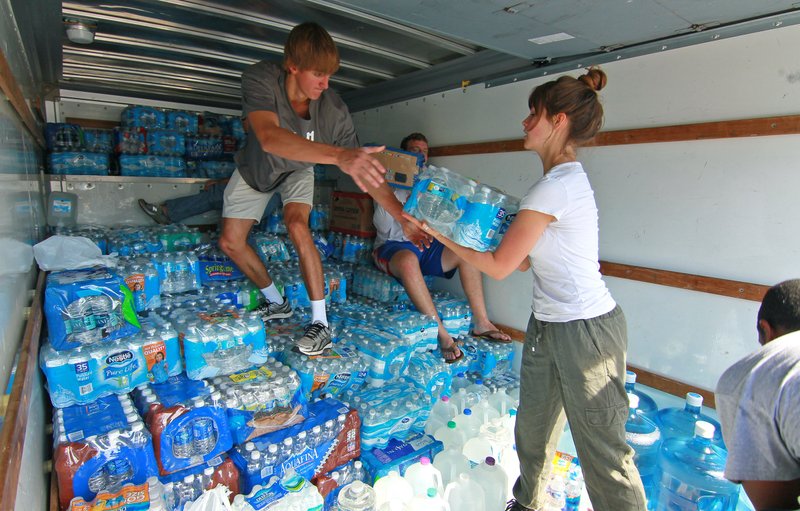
720 208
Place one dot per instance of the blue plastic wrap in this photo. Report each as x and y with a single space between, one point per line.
165 142
143 117
63 137
88 306
152 166
79 163
182 121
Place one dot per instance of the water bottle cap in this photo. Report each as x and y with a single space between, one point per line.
424 460
431 492
479 382
451 424
490 461
704 429
445 399
358 465
272 448
208 471
188 479
467 411
512 412
694 399
255 455
249 446
358 486
633 401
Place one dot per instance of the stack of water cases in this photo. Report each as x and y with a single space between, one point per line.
469 213
74 150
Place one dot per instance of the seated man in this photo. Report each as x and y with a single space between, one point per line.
400 258
759 407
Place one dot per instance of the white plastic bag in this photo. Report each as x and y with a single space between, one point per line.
215 499
69 253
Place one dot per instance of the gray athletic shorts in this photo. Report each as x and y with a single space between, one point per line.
242 201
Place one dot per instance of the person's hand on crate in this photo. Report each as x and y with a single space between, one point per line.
361 166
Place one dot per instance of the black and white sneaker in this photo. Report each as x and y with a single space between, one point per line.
316 340
272 310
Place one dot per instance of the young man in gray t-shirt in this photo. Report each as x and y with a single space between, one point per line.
295 122
758 403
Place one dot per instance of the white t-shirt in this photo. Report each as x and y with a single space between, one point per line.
758 404
388 228
567 284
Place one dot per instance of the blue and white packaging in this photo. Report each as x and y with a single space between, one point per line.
182 121
481 220
262 400
100 447
292 491
429 373
394 410
143 117
87 306
141 277
398 455
188 422
79 163
385 354
330 375
82 375
165 142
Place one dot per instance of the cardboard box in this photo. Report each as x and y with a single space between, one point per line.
401 166
351 213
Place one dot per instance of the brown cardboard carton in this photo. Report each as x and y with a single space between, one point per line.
401 167
351 213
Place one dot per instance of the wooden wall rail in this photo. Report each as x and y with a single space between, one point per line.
783 125
12 436
10 87
643 376
722 287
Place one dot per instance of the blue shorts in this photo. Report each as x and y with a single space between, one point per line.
430 259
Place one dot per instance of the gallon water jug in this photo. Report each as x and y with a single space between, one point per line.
394 506
647 404
431 501
692 474
494 482
644 437
501 401
679 422
392 488
485 412
476 449
476 393
451 436
422 476
465 493
510 463
356 496
460 381
468 423
62 209
451 462
459 399
498 435
442 412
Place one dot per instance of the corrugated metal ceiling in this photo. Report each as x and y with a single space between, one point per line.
195 50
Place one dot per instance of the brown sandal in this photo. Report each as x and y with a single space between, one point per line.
453 347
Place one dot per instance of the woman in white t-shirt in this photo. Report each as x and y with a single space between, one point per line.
573 362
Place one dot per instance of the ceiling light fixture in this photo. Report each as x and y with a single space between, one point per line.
80 32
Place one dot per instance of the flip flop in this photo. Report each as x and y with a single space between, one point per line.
487 336
450 350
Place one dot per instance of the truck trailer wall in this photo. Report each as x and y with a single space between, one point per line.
724 208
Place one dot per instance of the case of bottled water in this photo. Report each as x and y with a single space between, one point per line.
88 306
481 220
487 358
418 330
188 421
394 410
385 355
130 140
242 294
397 455
430 374
329 375
268 246
216 169
79 163
81 375
96 140
327 439
203 147
455 313
136 497
215 265
161 142
143 117
151 165
99 447
331 483
182 121
180 489
290 283
62 137
262 400
439 198
291 492
176 238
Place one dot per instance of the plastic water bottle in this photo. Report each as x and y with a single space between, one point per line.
392 488
644 437
485 412
501 401
460 381
182 442
494 482
451 462
423 475
451 436
679 422
574 486
465 493
647 405
459 399
204 437
555 494
356 496
99 480
692 474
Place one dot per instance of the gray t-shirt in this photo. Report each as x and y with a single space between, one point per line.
758 404
264 88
